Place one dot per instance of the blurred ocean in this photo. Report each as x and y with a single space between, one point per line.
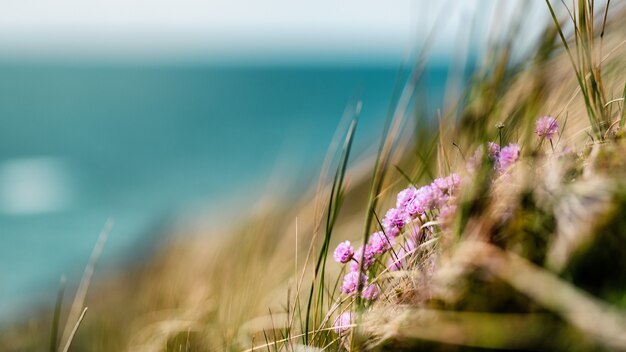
146 146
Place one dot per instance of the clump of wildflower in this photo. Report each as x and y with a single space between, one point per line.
507 157
546 127
344 252
430 197
368 258
371 292
379 243
414 207
351 282
342 323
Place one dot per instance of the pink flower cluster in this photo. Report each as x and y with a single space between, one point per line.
414 202
412 205
379 243
493 149
417 206
546 127
344 252
363 254
505 157
508 156
351 283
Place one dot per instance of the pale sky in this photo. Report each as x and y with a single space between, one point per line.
172 30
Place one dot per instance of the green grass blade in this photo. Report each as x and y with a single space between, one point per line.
54 334
623 118
333 210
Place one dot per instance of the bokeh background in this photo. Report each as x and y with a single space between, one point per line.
165 115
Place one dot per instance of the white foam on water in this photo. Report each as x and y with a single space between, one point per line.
35 185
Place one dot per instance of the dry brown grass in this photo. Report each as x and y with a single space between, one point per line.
235 288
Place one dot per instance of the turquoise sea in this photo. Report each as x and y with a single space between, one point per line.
148 145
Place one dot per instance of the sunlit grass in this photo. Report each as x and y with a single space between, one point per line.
532 258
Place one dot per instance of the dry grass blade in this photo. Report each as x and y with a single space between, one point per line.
471 329
580 211
74 329
581 310
623 117
83 287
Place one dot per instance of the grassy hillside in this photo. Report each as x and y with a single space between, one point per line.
523 248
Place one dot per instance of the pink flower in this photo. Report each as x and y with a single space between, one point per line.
344 252
438 197
351 282
547 127
371 292
440 183
425 198
368 258
342 323
445 187
393 222
448 184
508 156
379 243
493 149
404 197
395 217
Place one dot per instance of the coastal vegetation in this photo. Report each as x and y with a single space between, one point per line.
496 224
